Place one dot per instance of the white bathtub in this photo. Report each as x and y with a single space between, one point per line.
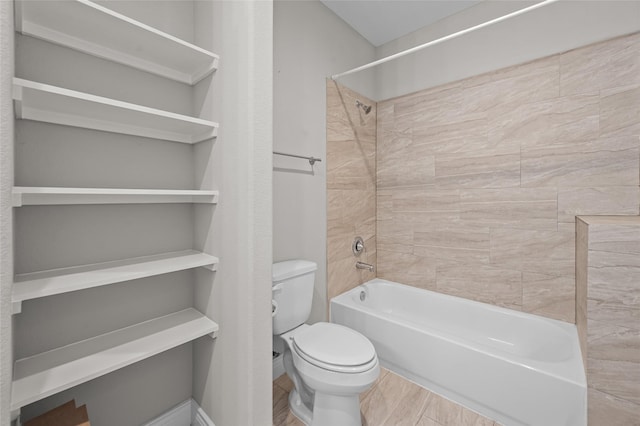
516 368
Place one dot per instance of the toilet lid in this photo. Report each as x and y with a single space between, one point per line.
332 345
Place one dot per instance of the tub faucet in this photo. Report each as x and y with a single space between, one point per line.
362 265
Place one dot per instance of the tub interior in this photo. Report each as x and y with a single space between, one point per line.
504 330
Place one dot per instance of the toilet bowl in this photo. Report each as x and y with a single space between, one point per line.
329 364
332 364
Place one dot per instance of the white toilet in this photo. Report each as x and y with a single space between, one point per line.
329 364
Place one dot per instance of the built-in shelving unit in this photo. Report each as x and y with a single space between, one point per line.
52 104
91 28
54 371
48 283
32 196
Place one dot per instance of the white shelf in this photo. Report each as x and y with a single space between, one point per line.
54 371
52 104
36 195
48 283
90 28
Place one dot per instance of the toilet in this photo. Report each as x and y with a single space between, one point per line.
329 364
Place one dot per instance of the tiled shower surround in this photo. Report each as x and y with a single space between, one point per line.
351 187
608 316
479 181
477 185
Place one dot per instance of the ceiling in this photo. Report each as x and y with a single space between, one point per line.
381 21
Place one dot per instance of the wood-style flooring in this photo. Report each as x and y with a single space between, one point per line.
392 400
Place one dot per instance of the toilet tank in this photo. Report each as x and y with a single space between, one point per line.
292 293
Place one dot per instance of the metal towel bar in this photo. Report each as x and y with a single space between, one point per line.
312 160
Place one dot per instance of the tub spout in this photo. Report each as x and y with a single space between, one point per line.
362 265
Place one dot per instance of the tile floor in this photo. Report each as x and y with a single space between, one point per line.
392 400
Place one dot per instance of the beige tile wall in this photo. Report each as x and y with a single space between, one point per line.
351 187
609 316
479 181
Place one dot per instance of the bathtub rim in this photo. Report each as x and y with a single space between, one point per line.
553 369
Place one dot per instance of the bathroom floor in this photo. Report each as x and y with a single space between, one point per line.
392 400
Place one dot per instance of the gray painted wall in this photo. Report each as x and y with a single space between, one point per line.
232 375
6 184
310 44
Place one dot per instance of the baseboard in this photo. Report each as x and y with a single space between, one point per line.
187 413
198 416
278 367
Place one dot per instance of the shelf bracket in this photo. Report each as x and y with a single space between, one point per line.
213 267
16 307
211 134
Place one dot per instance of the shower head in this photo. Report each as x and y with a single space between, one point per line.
365 108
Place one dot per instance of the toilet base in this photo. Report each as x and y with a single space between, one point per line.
328 410
298 408
340 410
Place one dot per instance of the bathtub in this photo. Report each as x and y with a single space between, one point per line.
516 368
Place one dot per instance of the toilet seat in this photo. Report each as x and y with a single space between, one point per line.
335 348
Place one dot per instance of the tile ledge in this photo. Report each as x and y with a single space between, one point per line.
611 220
